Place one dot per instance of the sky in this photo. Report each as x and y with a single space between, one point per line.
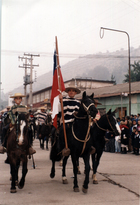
30 26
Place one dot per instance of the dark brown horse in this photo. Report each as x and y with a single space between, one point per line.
17 150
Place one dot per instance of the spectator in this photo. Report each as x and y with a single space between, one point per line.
136 142
132 139
110 144
117 144
124 137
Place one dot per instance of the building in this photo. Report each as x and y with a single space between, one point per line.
111 96
82 84
117 96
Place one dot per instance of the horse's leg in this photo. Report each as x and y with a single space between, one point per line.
78 167
16 172
95 163
47 139
40 142
64 179
24 172
87 170
42 145
13 185
52 174
74 162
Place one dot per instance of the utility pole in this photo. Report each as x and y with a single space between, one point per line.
26 77
129 66
31 68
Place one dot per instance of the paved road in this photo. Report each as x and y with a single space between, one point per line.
118 175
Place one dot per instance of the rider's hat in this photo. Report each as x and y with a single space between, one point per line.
74 88
96 102
18 95
8 107
42 108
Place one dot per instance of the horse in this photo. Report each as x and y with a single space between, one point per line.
79 141
98 130
18 149
45 132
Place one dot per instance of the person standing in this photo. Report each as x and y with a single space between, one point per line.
136 142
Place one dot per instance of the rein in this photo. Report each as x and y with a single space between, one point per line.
103 128
86 138
80 118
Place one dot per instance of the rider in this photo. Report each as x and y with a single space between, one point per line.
70 105
41 118
17 107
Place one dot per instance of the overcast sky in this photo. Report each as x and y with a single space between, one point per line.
30 26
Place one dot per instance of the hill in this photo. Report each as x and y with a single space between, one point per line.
98 66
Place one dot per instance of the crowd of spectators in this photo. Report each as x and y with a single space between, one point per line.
129 140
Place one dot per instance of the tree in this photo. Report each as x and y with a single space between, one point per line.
135 73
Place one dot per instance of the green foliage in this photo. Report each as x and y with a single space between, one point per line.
135 73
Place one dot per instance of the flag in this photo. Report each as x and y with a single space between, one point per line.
56 91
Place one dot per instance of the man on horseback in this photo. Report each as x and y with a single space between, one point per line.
17 107
70 104
41 119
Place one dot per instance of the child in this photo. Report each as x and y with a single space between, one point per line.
136 142
132 139
17 107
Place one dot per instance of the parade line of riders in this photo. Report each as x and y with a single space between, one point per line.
129 141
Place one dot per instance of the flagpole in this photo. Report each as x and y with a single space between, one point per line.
66 151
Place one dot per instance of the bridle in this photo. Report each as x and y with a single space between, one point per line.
87 108
112 131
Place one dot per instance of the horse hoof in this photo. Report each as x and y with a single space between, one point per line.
52 175
20 187
84 190
65 181
13 191
76 189
95 182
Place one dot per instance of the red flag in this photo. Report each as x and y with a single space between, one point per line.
56 91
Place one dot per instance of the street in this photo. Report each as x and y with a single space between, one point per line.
118 176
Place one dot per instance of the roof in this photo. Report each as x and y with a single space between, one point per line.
113 90
89 79
81 79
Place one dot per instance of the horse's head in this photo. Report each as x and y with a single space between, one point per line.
112 122
87 105
21 127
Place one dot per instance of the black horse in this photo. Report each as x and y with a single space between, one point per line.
18 149
107 121
79 140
